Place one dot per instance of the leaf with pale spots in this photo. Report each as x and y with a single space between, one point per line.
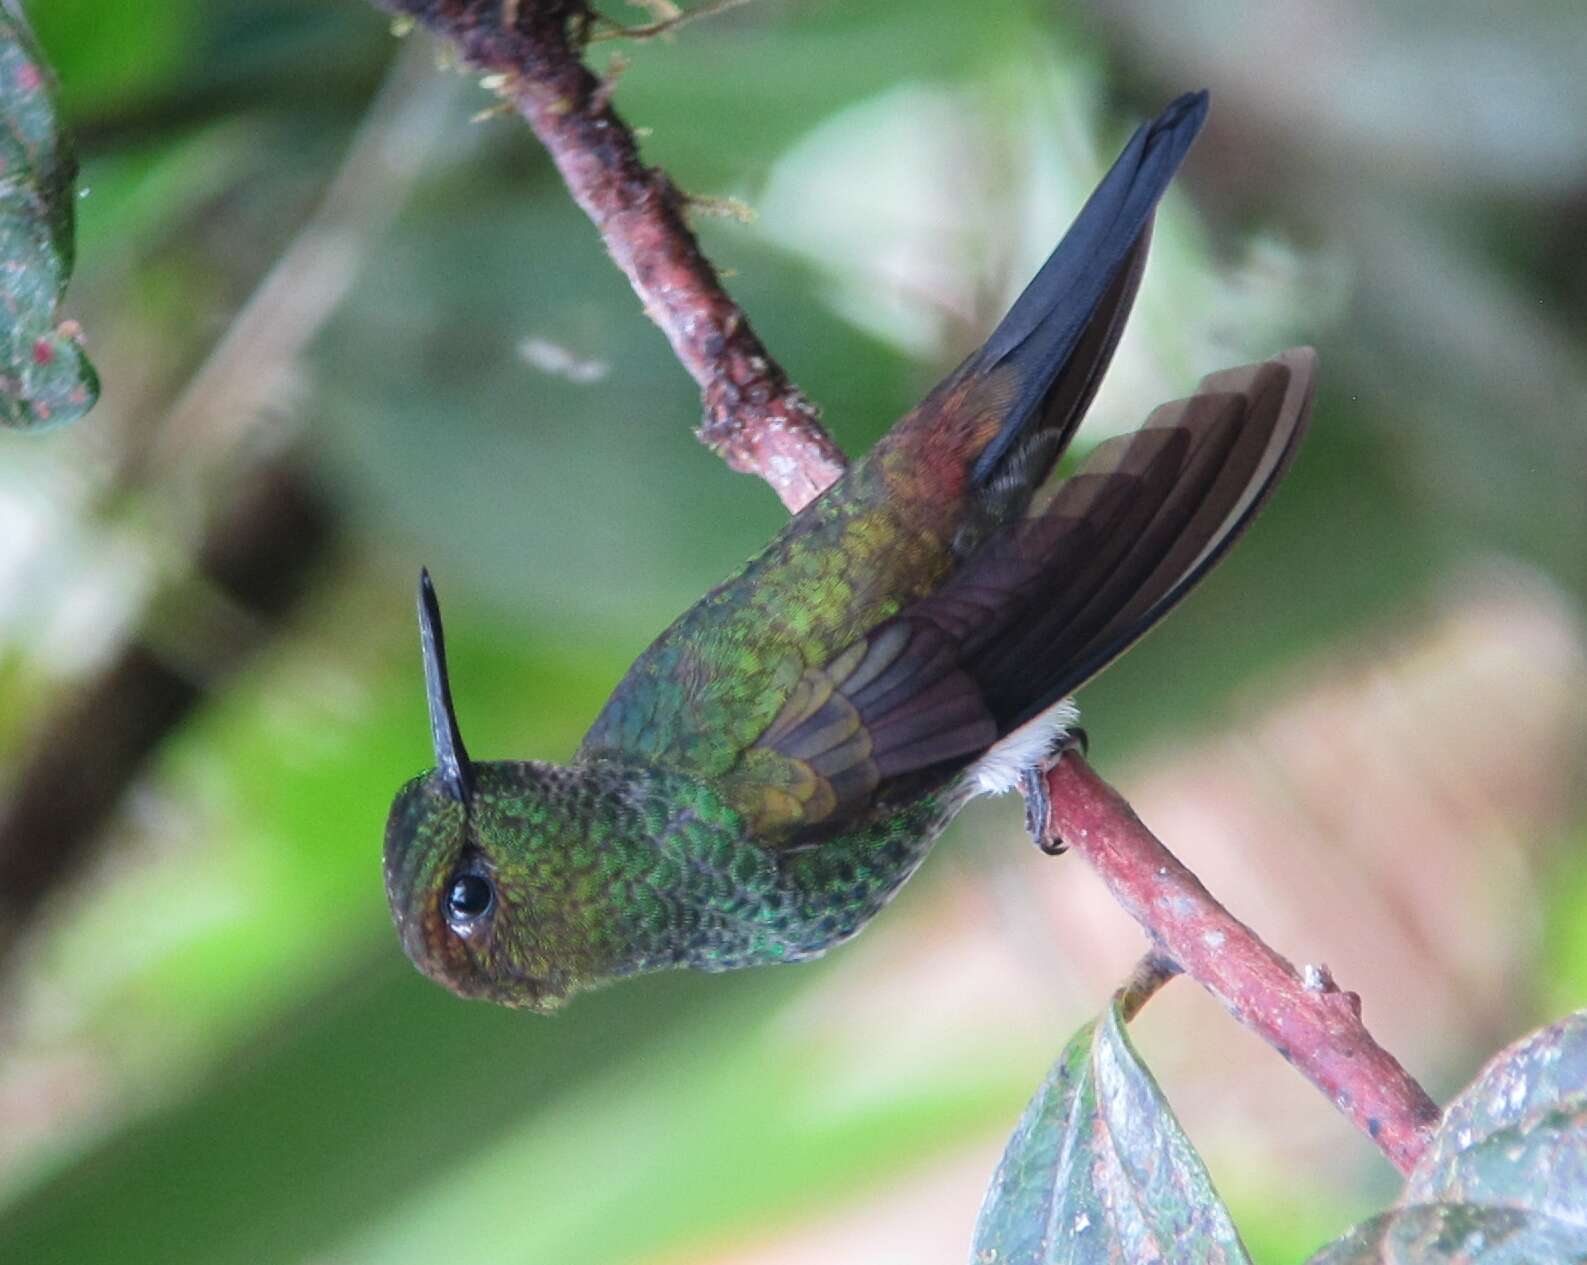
45 378
1517 1136
1098 1170
1504 1179
1457 1234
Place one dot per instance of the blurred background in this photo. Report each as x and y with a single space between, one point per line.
345 327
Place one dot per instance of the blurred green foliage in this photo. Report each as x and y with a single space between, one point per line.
213 1050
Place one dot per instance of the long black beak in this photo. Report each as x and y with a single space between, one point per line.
451 758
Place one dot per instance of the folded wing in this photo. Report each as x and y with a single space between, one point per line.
1044 604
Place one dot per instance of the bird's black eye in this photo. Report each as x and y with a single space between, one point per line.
470 897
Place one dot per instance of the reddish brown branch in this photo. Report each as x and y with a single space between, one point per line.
755 418
1314 1025
761 424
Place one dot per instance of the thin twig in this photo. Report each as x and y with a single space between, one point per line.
666 26
243 373
1307 1019
755 418
1145 982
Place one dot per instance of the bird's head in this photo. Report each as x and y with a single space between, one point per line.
497 887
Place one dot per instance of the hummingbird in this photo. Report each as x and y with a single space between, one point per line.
779 761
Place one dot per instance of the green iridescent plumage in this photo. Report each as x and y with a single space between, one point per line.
623 869
780 760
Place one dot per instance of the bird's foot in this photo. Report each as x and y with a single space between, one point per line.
1033 786
1038 804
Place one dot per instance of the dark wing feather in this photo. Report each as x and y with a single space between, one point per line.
1042 606
895 701
1243 427
1080 298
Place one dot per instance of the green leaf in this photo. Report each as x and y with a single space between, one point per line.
1098 1169
1460 1234
1517 1136
1505 1177
45 379
1533 1076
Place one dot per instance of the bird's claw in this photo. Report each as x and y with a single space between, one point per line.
1038 804
1033 786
